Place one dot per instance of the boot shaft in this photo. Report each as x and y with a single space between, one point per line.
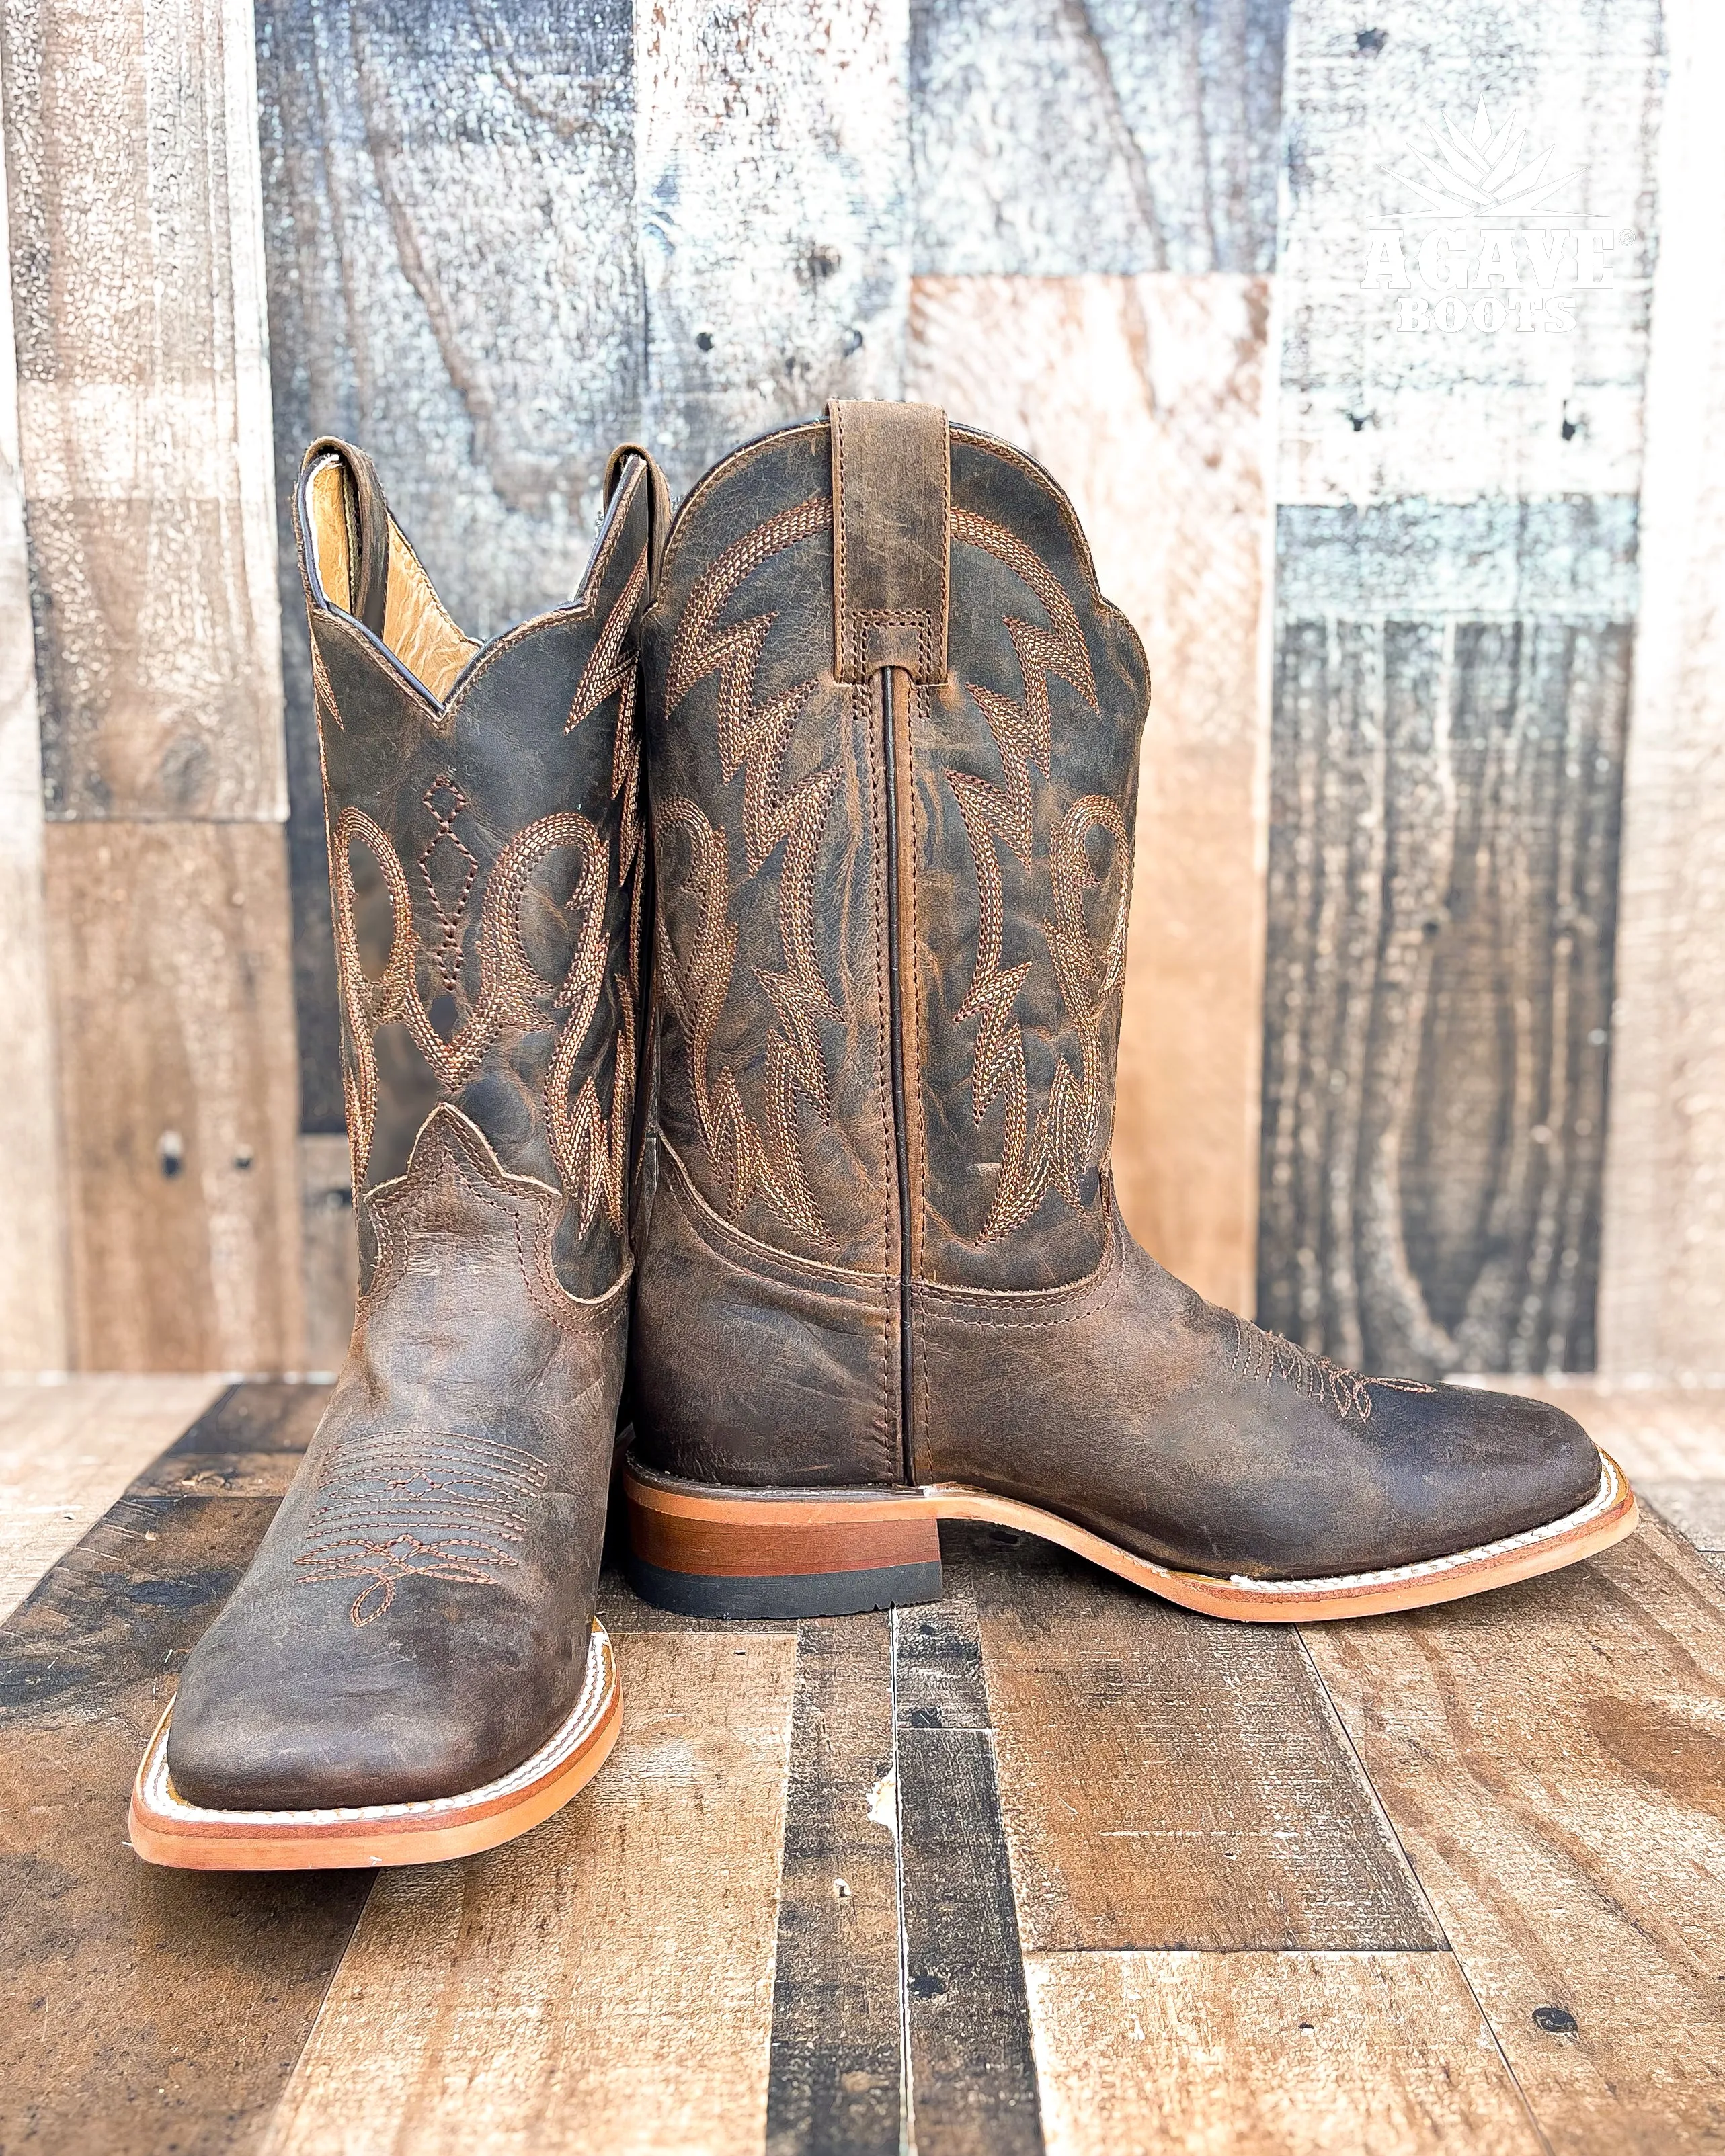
483 809
892 742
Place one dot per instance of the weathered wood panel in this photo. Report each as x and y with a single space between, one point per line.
330 1244
1456 591
172 993
973 2086
450 238
1119 137
32 1253
1660 1306
143 2010
1443 861
602 1985
1167 1784
1550 1757
1144 396
1380 403
774 172
68 1451
137 271
1283 2055
837 2069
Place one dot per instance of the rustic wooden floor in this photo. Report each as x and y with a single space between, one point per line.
1048 1864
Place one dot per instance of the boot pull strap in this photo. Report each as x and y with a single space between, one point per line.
658 503
892 489
348 521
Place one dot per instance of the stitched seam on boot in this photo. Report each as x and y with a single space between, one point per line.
572 1313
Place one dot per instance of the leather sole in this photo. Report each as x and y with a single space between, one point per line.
166 1830
713 1552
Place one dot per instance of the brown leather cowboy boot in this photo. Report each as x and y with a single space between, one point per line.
411 1668
892 740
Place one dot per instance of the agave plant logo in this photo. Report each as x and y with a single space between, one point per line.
1478 172
1482 240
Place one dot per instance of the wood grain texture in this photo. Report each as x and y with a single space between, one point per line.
605 1984
1118 137
772 168
176 1021
1456 555
1144 396
1660 1309
450 238
836 2070
137 281
141 2009
328 1241
1443 845
32 1253
68 1451
973 2084
1283 2055
1169 1784
1550 1758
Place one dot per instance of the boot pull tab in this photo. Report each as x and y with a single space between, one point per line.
343 504
892 490
658 503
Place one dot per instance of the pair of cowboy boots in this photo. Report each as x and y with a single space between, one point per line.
859 924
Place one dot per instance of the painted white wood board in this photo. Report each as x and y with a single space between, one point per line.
1661 1304
1372 411
32 1258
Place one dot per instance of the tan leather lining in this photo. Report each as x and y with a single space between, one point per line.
331 537
417 626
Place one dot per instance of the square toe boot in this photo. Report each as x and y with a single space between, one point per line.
411 1667
892 733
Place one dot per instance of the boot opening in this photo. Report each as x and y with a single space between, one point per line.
392 596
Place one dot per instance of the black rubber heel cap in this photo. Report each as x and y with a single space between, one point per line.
790 1594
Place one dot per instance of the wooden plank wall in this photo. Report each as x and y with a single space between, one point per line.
1390 580
33 1278
1660 1305
144 430
1456 602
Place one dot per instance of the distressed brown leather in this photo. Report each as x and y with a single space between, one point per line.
880 1242
416 1621
891 499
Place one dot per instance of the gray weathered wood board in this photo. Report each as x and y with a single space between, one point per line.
1173 1785
774 180
144 448
836 2065
1122 136
1456 596
1442 886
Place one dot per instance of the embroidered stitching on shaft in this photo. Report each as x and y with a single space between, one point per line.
1064 1142
753 739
